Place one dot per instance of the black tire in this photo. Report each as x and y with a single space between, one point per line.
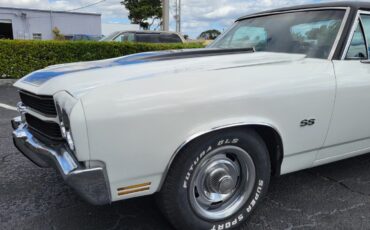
174 200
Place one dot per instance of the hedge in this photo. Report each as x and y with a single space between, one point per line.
18 58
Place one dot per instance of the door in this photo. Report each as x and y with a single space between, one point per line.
349 132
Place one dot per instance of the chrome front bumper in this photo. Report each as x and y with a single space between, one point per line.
90 183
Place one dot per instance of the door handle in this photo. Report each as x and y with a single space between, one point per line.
365 61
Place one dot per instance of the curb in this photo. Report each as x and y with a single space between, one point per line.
7 81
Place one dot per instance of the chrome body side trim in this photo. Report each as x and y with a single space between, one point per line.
196 135
90 183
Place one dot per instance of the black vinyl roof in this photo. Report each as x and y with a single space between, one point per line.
356 5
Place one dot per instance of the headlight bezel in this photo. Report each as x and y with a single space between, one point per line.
64 103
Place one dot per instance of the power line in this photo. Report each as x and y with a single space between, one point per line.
86 6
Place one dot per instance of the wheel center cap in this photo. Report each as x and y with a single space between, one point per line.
221 182
226 185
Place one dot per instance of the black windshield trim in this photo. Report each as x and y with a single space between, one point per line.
197 53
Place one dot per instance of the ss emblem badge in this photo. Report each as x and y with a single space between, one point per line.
308 122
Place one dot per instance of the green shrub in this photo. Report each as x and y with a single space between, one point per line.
18 58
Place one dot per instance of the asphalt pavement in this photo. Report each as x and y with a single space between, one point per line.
335 196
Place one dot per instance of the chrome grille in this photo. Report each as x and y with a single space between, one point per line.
42 104
49 130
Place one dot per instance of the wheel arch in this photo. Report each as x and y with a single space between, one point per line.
269 133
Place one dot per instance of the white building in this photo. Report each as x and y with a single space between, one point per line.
16 23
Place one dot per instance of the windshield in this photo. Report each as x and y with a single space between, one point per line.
310 32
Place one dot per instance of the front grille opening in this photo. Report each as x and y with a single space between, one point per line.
50 130
42 104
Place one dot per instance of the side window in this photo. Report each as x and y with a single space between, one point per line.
147 38
366 25
246 36
121 38
131 37
169 38
250 37
358 49
315 38
125 37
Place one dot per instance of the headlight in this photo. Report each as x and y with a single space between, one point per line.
70 142
65 129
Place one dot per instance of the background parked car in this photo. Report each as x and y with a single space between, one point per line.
81 37
145 36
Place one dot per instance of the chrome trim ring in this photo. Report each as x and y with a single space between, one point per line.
222 183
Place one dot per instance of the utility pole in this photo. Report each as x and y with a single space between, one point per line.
178 15
166 15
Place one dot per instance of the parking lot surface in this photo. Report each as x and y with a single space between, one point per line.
335 196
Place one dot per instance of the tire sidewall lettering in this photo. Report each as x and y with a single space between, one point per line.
253 198
192 167
246 212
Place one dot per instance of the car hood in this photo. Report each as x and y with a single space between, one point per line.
80 78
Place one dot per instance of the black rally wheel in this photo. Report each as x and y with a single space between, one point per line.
216 181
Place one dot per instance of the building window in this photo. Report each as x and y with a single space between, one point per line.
6 29
37 36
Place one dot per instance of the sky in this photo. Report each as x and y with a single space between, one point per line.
197 15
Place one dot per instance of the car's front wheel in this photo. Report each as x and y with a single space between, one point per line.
216 181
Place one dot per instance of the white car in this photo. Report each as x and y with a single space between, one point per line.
145 36
206 129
